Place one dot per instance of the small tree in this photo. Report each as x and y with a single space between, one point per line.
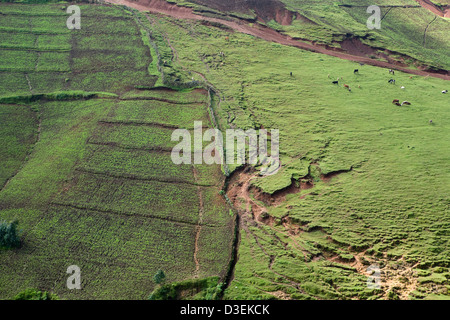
9 235
159 277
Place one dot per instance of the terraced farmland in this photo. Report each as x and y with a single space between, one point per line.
40 54
92 182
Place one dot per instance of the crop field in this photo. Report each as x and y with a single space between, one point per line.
91 181
15 147
164 113
106 187
40 53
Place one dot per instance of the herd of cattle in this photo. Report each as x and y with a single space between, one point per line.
390 81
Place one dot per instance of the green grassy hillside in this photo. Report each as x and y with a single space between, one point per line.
378 171
363 181
409 34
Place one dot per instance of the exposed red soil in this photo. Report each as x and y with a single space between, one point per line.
242 192
265 10
279 197
239 194
427 4
163 7
400 276
253 201
355 47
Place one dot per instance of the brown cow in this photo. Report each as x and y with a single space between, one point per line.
395 100
347 87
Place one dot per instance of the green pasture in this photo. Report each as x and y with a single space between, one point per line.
393 184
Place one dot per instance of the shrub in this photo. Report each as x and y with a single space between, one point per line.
9 235
159 277
33 294
195 289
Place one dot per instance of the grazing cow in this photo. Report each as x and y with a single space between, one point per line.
395 101
391 81
397 104
347 87
335 82
391 71
361 64
356 71
431 121
406 103
444 91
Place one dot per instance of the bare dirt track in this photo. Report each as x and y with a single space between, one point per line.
427 4
163 7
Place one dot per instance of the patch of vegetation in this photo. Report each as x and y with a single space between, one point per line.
16 144
33 294
57 96
159 277
9 235
202 289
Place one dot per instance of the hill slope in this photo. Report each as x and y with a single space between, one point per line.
89 176
363 180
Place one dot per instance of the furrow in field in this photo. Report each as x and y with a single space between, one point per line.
139 178
83 207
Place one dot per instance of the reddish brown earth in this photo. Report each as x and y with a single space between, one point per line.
163 7
427 4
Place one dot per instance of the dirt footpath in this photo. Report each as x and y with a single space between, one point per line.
163 7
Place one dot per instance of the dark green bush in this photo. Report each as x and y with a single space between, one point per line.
203 289
33 294
159 277
9 235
